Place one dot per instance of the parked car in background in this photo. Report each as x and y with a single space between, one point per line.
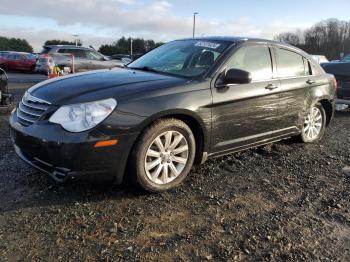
125 59
118 57
85 58
320 58
341 71
18 61
175 106
2 53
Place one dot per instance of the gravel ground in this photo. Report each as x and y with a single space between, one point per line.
286 201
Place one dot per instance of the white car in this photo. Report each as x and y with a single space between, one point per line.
320 59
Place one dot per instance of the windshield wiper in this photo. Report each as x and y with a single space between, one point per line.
145 68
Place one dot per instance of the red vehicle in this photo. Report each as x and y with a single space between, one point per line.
18 61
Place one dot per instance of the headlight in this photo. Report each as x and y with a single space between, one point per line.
81 117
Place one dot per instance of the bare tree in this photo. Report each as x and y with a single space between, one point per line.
330 38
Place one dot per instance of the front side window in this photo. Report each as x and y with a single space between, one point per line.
254 59
289 63
77 53
187 58
91 55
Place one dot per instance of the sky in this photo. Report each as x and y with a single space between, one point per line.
104 21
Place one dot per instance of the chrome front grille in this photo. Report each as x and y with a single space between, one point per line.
30 109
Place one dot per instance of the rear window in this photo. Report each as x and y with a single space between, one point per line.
45 50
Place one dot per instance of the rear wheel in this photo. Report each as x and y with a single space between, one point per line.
314 124
164 155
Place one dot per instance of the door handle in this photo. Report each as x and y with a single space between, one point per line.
310 82
271 87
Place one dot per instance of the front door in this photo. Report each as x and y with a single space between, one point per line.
244 114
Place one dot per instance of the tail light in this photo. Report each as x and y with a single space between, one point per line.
46 56
335 84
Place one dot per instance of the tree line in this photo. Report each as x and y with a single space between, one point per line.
62 42
121 46
330 38
15 44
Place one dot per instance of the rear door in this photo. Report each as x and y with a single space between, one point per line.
244 114
81 62
12 62
23 63
295 74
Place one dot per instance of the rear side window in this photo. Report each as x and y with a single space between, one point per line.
289 63
76 52
62 51
254 59
29 57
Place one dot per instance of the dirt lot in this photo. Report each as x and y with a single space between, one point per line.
287 201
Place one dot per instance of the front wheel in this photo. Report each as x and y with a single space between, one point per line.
314 124
164 155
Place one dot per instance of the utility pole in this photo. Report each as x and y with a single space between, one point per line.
131 46
194 23
76 39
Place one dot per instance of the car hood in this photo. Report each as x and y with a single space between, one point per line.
100 84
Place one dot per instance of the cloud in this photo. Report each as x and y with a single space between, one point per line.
38 37
114 18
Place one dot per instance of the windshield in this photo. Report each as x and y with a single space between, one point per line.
346 58
187 58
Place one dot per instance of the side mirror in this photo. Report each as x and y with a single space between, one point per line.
237 76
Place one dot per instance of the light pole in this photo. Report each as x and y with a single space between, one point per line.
76 39
131 46
194 23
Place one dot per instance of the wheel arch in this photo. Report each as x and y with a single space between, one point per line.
328 108
195 123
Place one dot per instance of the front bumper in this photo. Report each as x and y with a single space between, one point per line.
62 155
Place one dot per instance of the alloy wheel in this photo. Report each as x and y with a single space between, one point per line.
166 157
313 123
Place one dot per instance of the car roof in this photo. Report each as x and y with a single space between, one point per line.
241 39
16 52
67 46
233 39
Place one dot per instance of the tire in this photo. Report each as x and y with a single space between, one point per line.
171 164
4 67
314 124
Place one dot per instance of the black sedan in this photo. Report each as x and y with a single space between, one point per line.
341 71
174 107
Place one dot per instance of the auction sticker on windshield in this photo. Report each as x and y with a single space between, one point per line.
207 45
